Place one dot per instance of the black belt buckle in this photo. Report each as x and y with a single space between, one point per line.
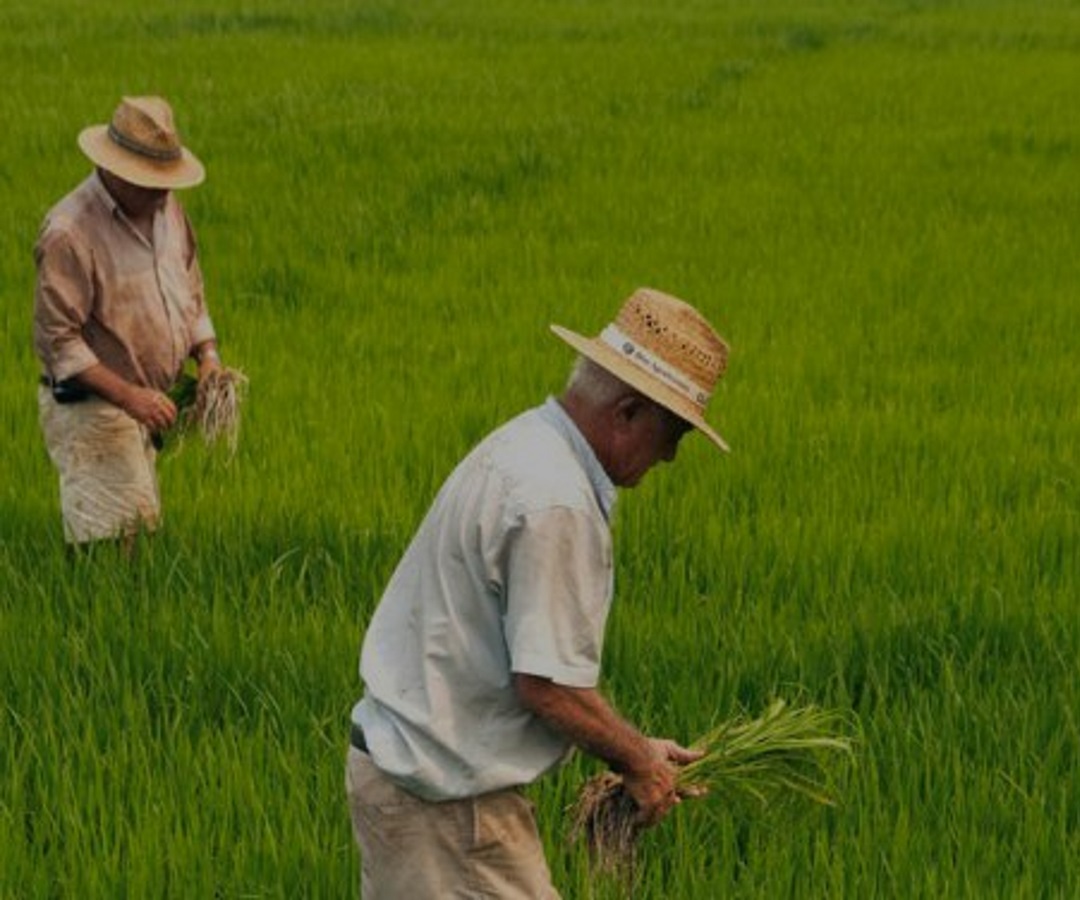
66 391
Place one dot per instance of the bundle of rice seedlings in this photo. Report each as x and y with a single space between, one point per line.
211 405
784 756
217 406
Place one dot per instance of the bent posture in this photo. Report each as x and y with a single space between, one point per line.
118 308
482 660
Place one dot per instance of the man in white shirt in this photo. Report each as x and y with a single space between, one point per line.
482 660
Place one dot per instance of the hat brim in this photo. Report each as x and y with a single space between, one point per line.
610 360
184 172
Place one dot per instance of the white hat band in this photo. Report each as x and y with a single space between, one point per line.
634 353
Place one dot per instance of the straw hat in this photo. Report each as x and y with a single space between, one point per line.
664 348
141 145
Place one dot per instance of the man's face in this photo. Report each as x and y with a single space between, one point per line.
135 200
141 201
645 434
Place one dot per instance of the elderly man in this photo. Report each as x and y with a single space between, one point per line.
118 309
482 660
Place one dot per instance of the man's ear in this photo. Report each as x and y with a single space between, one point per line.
629 407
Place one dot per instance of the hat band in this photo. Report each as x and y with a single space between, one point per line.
169 154
638 356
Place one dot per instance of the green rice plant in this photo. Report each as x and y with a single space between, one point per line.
766 764
786 754
876 203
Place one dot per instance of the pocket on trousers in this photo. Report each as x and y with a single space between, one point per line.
382 811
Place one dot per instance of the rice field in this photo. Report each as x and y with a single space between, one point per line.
874 200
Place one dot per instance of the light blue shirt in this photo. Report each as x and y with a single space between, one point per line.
510 571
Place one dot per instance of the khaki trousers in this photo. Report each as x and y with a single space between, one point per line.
412 849
106 462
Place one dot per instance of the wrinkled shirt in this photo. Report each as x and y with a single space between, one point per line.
510 572
106 294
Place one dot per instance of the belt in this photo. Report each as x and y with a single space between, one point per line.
356 737
65 391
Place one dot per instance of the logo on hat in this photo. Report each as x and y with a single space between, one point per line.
664 348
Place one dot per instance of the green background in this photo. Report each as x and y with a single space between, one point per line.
875 202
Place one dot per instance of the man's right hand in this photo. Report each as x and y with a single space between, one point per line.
648 765
150 408
652 785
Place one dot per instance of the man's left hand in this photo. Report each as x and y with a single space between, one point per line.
209 364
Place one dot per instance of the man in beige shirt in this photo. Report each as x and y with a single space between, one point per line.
118 308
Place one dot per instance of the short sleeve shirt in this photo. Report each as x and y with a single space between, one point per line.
510 572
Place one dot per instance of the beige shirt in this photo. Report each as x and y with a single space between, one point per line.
106 294
511 571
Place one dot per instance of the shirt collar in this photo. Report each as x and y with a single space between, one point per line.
606 493
114 208
102 193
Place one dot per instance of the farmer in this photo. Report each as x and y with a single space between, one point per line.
118 308
482 659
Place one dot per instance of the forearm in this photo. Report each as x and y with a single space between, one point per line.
588 720
104 382
146 405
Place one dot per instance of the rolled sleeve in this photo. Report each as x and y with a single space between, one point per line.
558 594
63 301
202 328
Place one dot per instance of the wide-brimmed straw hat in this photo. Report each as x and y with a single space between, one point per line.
664 348
141 145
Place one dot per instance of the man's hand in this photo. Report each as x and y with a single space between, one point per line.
150 408
206 355
652 785
209 364
648 765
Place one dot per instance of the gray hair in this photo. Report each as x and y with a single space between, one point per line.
594 384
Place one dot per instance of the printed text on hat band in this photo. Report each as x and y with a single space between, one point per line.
634 353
